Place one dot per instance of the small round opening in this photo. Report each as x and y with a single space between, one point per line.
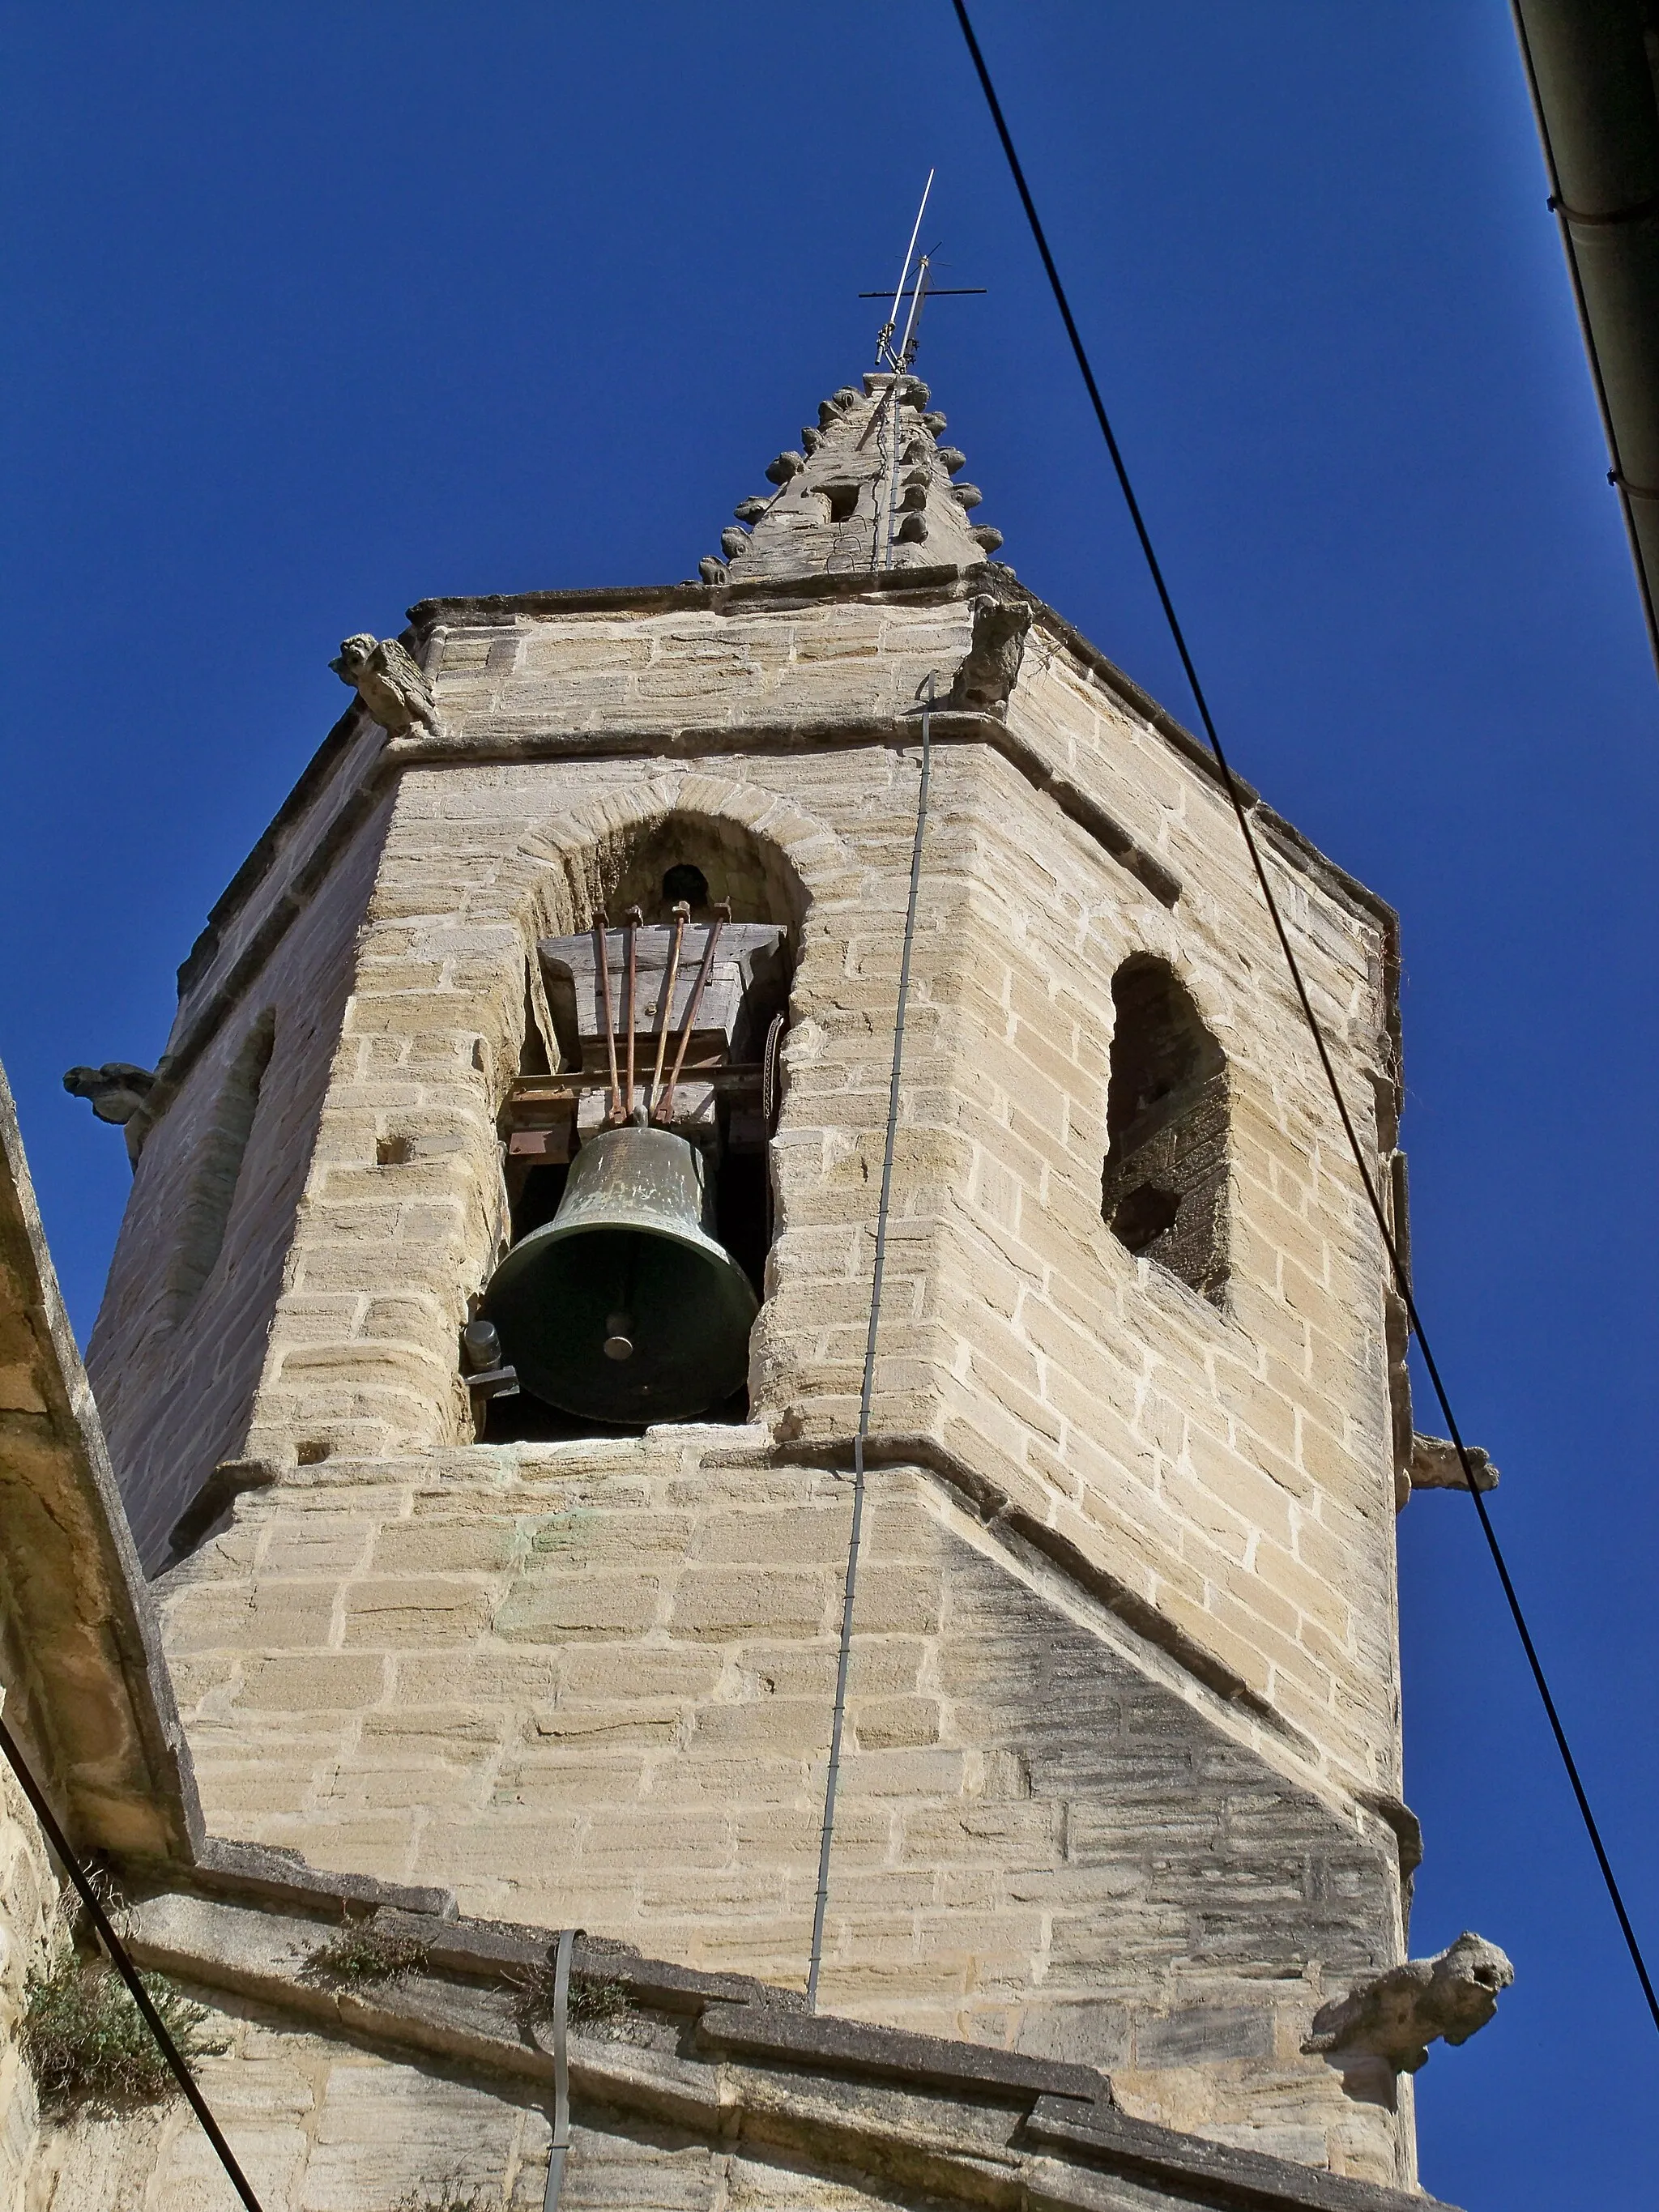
685 882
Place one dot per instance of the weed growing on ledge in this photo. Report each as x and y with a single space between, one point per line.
88 2046
361 1952
592 2005
453 2196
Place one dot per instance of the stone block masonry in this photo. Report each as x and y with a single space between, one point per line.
592 1685
1123 1762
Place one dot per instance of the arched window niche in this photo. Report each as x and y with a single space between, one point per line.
1163 1193
696 870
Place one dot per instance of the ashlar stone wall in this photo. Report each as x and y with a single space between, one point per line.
175 1373
592 1684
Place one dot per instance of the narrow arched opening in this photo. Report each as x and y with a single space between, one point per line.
1163 1191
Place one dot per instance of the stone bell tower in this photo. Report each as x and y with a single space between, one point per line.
1121 1782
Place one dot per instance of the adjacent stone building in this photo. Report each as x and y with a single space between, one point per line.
1120 1806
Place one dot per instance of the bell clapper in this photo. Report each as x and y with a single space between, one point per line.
618 1338
488 1375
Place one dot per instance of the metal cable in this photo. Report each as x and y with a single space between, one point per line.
121 1959
844 1657
1236 795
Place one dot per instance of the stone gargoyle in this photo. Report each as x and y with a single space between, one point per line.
388 681
1394 2018
986 678
116 1091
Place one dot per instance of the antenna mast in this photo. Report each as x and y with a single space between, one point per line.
898 360
885 343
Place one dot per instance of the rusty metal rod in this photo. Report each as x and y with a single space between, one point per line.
665 1004
601 924
632 918
665 1111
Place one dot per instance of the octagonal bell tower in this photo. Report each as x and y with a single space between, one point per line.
1120 1769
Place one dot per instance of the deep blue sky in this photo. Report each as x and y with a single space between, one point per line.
312 310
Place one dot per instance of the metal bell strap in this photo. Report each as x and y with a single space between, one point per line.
560 2144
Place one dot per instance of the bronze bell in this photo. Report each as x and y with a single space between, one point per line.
623 1308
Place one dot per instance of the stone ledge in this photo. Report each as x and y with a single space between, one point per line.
892 2054
1140 2149
92 1699
235 1870
998 2128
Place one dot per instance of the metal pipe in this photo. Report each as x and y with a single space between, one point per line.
724 911
559 2145
665 1004
900 371
883 342
613 1111
632 918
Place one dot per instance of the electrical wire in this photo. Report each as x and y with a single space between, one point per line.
1236 795
121 1959
844 1656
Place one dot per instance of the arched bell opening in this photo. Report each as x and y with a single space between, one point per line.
1163 1190
636 1140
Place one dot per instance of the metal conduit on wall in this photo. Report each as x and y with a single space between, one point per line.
1591 64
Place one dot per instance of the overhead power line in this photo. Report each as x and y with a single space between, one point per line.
1236 795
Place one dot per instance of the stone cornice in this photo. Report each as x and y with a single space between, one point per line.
738 2059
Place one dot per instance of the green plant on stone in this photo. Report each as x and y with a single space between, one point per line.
591 2001
90 2048
361 1952
452 2196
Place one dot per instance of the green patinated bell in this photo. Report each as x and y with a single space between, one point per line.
623 1308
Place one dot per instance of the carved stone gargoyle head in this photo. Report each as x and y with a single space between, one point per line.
116 1091
391 684
1383 2027
353 657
